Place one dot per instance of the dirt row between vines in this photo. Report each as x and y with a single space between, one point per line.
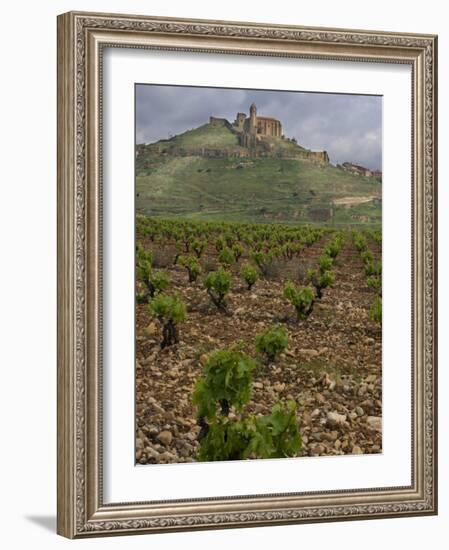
332 367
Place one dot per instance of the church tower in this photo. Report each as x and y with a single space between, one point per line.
253 119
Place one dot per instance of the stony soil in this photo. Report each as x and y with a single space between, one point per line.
332 367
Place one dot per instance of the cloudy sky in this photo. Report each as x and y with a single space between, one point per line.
348 127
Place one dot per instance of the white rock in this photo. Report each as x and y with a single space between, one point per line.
375 423
158 408
165 438
362 389
308 352
152 329
335 419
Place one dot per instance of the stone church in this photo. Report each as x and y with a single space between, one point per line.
253 129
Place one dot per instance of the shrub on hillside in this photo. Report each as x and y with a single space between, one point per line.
325 263
264 262
272 342
249 274
375 311
375 283
154 281
301 298
218 283
226 257
225 387
170 311
198 247
237 250
192 266
321 280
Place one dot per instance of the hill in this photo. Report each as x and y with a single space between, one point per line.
207 135
205 173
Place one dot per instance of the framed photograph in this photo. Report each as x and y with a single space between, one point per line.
246 274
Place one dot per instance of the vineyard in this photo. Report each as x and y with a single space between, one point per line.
256 341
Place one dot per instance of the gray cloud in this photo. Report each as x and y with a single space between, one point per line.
348 127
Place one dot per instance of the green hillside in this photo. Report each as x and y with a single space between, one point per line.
206 135
255 190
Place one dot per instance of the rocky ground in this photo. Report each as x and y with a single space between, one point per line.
332 367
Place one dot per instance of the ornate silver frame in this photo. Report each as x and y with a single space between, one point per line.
81 37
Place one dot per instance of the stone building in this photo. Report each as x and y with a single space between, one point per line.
361 170
255 128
